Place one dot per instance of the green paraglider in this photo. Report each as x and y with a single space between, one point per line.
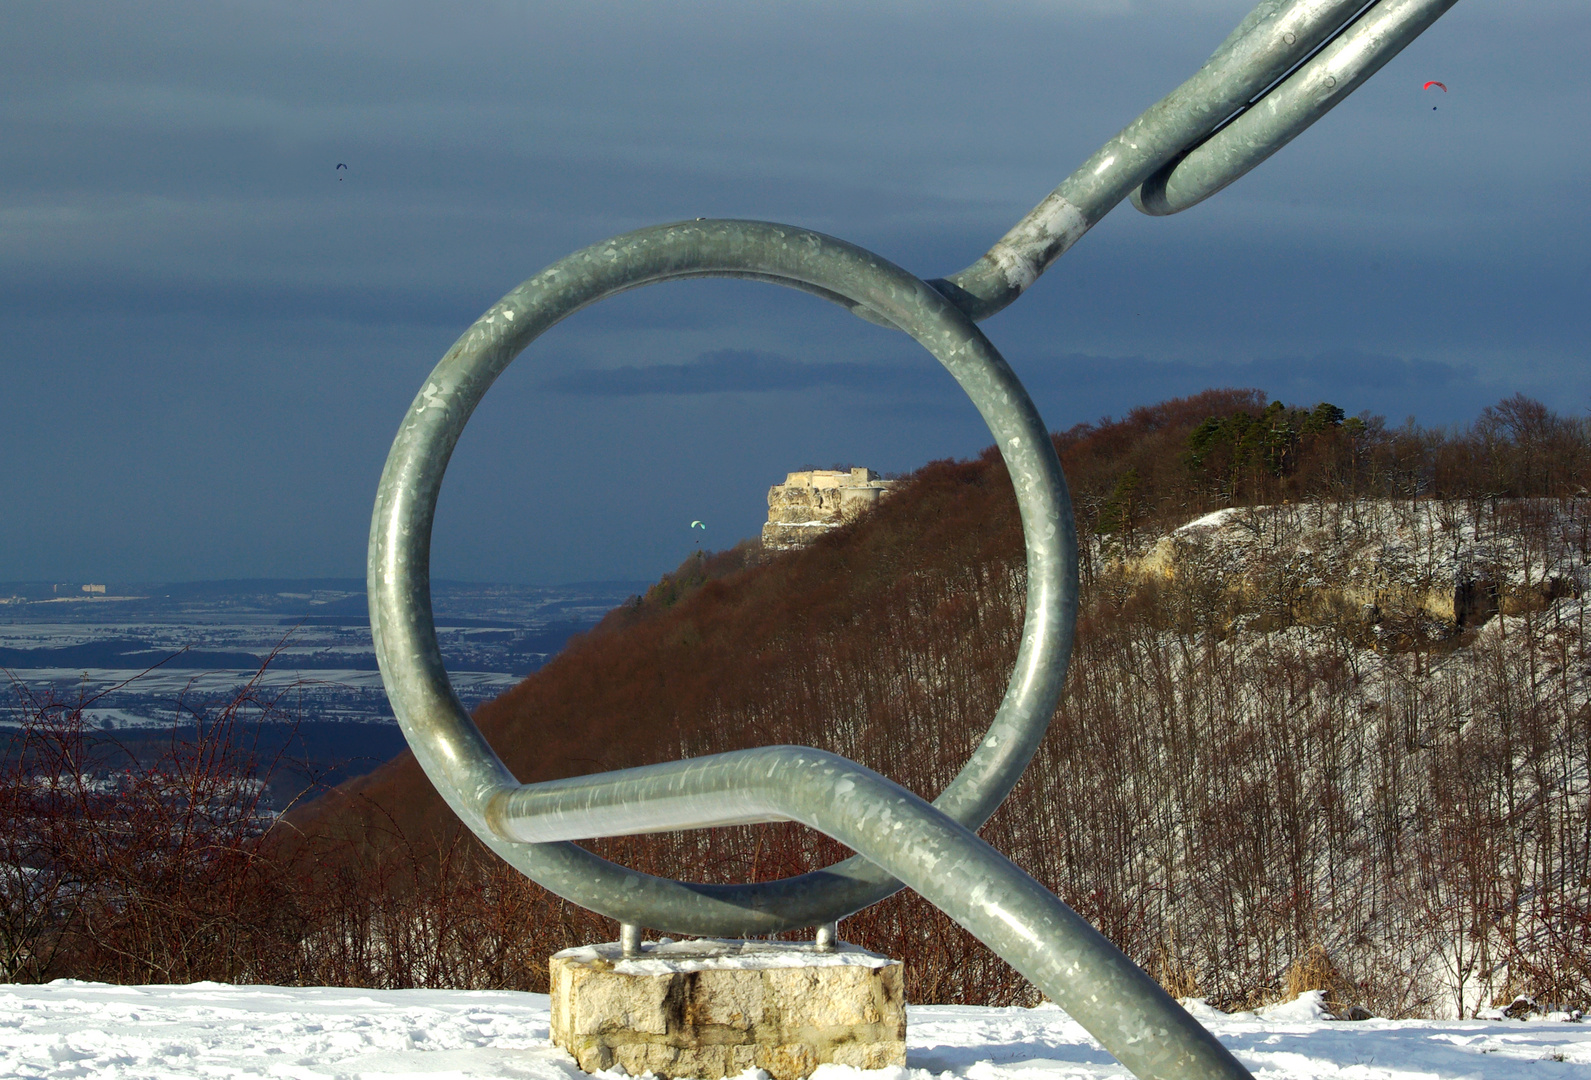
698 525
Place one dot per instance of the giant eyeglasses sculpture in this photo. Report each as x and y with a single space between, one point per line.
1284 66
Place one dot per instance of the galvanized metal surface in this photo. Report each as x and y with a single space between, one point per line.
949 865
1253 66
1272 122
629 939
446 742
1281 69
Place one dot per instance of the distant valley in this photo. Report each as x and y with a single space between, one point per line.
142 656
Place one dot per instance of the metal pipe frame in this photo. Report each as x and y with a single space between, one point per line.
444 739
947 863
1273 121
1283 67
1270 61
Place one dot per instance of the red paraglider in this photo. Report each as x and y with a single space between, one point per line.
1432 83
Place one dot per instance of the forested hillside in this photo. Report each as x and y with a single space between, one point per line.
1245 785
1333 737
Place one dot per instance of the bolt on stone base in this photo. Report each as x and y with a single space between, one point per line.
714 1008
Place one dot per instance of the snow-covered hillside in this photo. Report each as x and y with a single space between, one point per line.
1354 729
1459 561
73 1029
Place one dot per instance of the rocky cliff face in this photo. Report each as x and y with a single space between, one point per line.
1453 563
812 502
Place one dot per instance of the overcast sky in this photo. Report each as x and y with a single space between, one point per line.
208 333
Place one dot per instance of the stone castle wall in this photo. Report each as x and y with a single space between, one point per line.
812 502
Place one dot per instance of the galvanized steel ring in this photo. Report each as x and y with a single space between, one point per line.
464 768
1284 66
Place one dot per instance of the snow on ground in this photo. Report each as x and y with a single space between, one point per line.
723 954
70 1029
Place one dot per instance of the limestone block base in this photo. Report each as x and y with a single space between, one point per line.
714 1008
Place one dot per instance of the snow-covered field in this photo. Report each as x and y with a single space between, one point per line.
210 639
75 1029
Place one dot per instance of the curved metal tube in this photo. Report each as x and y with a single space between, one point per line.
444 739
1283 113
1273 37
1246 97
1270 41
1121 1006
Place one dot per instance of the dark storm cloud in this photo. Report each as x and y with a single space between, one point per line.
240 302
1298 379
1085 387
207 338
1316 376
1072 382
732 371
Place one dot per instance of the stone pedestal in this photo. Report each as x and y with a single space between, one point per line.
715 1008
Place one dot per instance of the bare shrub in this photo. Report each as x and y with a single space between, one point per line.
136 865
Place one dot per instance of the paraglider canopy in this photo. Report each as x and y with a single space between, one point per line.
1432 83
698 525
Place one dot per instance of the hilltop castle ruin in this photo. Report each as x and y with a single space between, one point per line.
812 502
